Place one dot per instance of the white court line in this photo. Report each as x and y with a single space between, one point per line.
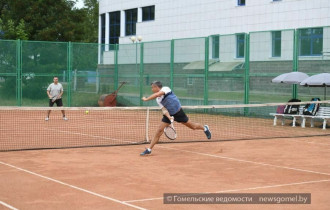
238 190
245 161
83 134
74 187
7 205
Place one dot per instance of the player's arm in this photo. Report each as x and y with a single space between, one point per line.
48 93
153 96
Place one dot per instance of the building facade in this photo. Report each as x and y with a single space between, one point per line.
232 46
174 19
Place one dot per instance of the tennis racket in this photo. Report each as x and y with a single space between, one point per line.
54 98
170 132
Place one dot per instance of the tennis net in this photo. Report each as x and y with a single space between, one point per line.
24 128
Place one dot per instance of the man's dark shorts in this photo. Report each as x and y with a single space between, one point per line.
180 116
58 102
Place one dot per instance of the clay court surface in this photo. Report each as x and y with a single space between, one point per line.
118 178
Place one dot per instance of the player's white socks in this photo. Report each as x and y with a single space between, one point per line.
149 149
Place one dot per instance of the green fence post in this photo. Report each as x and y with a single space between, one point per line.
141 74
206 72
172 65
247 73
69 72
116 67
18 72
295 61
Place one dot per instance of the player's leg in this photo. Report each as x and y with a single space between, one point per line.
197 126
51 104
158 134
193 125
183 118
59 103
167 114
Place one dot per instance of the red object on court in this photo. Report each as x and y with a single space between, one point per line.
109 99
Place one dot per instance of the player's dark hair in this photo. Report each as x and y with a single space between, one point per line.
157 83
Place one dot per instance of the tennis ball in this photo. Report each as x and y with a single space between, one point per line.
86 112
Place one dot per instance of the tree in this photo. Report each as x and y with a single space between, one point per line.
91 21
46 20
11 31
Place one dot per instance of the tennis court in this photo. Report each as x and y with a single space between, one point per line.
116 177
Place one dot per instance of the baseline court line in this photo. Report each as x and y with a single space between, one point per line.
7 205
237 190
74 187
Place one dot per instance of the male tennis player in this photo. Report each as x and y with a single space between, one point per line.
170 101
55 92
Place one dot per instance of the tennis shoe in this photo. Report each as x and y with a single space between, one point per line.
146 152
64 118
47 118
207 131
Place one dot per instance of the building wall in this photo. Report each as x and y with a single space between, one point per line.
191 18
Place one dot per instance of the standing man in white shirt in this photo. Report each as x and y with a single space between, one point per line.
55 92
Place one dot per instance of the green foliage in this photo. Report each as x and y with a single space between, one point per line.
91 21
34 87
21 31
9 30
49 20
85 56
8 87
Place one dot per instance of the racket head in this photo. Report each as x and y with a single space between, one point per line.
170 132
54 98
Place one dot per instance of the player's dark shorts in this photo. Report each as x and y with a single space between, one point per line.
58 102
180 116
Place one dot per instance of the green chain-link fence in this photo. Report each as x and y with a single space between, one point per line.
220 69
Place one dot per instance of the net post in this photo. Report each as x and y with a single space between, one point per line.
147 126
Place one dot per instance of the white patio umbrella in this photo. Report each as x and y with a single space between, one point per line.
318 80
290 78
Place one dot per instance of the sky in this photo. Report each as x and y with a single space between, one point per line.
80 4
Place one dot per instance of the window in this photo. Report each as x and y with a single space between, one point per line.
241 2
215 46
190 81
103 28
114 25
310 42
240 41
276 43
148 13
131 19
